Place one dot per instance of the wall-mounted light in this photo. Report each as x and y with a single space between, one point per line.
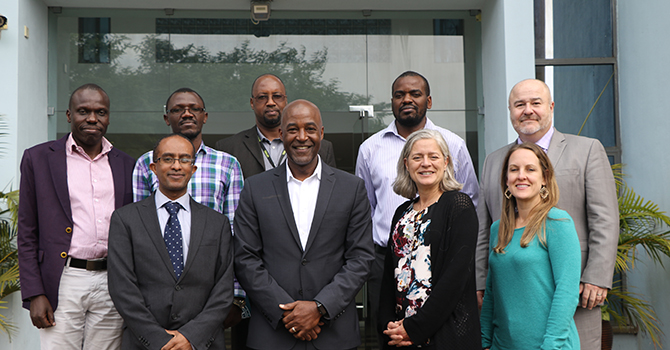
260 11
3 23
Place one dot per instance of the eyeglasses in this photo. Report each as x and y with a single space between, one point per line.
275 97
181 110
170 160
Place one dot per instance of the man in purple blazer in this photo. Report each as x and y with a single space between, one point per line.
69 189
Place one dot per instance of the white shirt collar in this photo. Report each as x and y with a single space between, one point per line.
317 171
184 200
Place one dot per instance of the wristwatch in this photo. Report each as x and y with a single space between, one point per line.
321 308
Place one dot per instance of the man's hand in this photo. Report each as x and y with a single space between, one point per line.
234 317
591 295
308 335
301 318
178 342
480 299
41 312
399 337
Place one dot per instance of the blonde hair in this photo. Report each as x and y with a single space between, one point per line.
537 219
404 185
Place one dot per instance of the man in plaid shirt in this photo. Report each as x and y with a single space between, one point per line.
218 181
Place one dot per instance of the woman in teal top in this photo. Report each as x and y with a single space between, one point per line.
532 289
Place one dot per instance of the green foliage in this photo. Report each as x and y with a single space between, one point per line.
642 225
628 308
9 262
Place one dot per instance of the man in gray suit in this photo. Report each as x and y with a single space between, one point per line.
303 244
259 148
170 261
587 193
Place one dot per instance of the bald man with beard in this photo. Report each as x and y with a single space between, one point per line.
587 193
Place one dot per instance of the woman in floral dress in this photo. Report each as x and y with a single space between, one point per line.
428 297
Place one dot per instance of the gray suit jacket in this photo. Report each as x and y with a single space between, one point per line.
145 290
273 268
587 193
244 146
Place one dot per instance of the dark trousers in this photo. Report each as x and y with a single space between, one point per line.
238 335
374 289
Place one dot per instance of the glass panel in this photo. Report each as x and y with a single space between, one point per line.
582 28
331 62
442 65
540 30
576 89
94 42
448 26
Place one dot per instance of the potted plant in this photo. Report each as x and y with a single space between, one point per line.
642 225
9 262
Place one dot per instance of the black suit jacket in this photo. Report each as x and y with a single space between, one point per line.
273 268
145 290
245 147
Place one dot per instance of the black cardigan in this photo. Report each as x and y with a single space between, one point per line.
449 318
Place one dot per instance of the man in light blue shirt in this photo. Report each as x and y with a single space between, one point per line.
378 156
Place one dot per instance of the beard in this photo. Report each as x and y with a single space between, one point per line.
411 120
529 130
190 134
271 123
532 128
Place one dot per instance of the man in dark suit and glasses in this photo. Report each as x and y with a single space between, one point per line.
303 244
259 148
170 261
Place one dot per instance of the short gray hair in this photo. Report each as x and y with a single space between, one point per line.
404 185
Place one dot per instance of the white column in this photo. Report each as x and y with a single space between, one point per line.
23 104
644 122
23 92
508 56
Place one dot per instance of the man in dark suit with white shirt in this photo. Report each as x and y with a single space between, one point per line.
260 148
170 261
303 244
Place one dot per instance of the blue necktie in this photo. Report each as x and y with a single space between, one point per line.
172 237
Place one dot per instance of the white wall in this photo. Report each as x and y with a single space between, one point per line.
645 122
23 101
508 56
8 93
23 94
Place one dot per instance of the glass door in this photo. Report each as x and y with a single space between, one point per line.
334 59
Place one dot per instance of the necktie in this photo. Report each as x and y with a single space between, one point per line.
172 237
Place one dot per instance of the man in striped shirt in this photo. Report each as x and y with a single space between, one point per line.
378 156
218 181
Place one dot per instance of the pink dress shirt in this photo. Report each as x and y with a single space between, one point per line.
91 188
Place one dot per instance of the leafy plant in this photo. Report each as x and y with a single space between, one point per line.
642 225
9 262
